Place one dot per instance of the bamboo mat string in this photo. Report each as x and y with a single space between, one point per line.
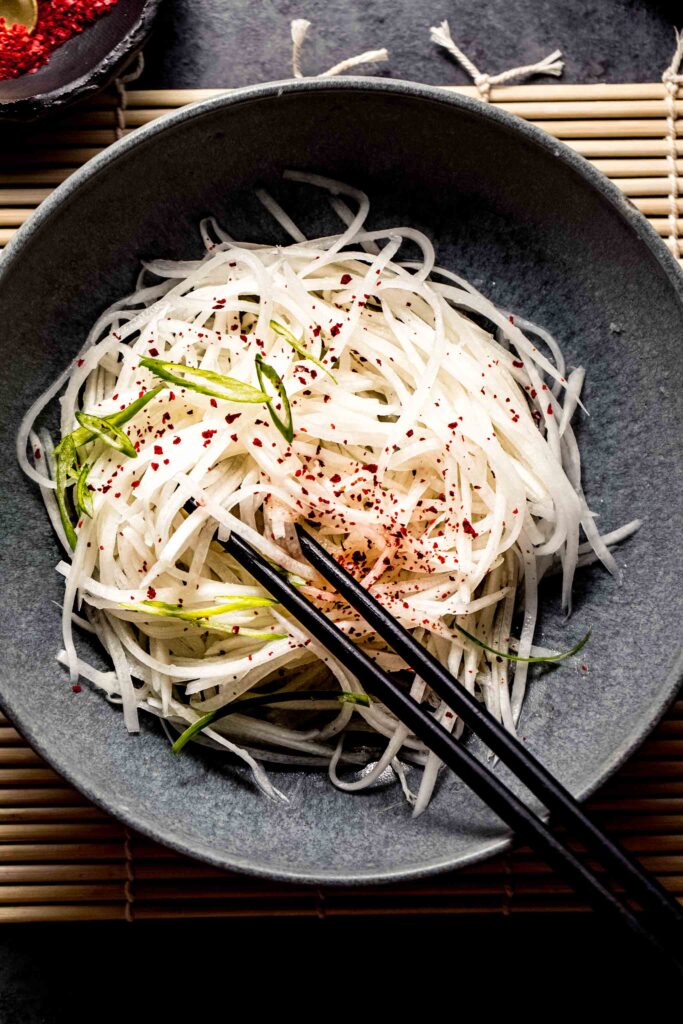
550 65
299 30
673 79
122 96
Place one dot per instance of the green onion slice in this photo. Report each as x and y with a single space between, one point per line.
83 435
64 460
286 426
84 503
285 333
232 390
266 698
177 611
515 657
107 432
202 616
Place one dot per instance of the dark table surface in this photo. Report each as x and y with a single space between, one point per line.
212 43
51 973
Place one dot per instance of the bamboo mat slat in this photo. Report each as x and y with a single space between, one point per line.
61 859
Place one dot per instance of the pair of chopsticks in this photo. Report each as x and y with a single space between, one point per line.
665 917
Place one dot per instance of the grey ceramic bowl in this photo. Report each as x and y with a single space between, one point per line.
538 230
82 65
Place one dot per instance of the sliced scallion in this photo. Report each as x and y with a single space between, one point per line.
177 611
84 503
285 333
266 698
232 390
64 460
515 657
82 435
205 617
286 426
107 432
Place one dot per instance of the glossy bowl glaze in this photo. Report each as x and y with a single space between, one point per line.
538 230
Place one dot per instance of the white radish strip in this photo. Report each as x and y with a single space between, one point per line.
283 219
428 444
572 398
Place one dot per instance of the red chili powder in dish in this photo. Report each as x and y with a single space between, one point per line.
23 52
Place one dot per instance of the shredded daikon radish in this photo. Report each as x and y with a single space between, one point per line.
424 434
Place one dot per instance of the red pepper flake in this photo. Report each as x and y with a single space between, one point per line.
135 483
79 362
258 442
518 363
371 467
154 351
335 479
213 403
208 433
154 465
335 329
151 593
176 440
345 279
469 529
36 454
76 688
549 410
316 331
231 417
23 52
158 450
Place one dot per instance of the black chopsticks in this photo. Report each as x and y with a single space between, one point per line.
643 886
665 915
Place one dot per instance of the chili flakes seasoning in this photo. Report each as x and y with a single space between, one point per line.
23 52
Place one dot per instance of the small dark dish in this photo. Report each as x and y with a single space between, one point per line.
82 65
538 230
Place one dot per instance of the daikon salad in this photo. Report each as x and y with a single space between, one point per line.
346 382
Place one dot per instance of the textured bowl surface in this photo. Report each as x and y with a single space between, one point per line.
537 230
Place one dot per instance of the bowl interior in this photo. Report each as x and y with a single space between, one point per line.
529 227
79 56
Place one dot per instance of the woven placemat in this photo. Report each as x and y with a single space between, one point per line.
63 859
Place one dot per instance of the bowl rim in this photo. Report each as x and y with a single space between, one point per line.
28 108
159 830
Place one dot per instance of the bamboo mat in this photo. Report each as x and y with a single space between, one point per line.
63 859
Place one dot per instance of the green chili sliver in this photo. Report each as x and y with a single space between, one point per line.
64 460
530 661
279 697
183 376
286 426
82 435
107 432
84 502
239 603
285 333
